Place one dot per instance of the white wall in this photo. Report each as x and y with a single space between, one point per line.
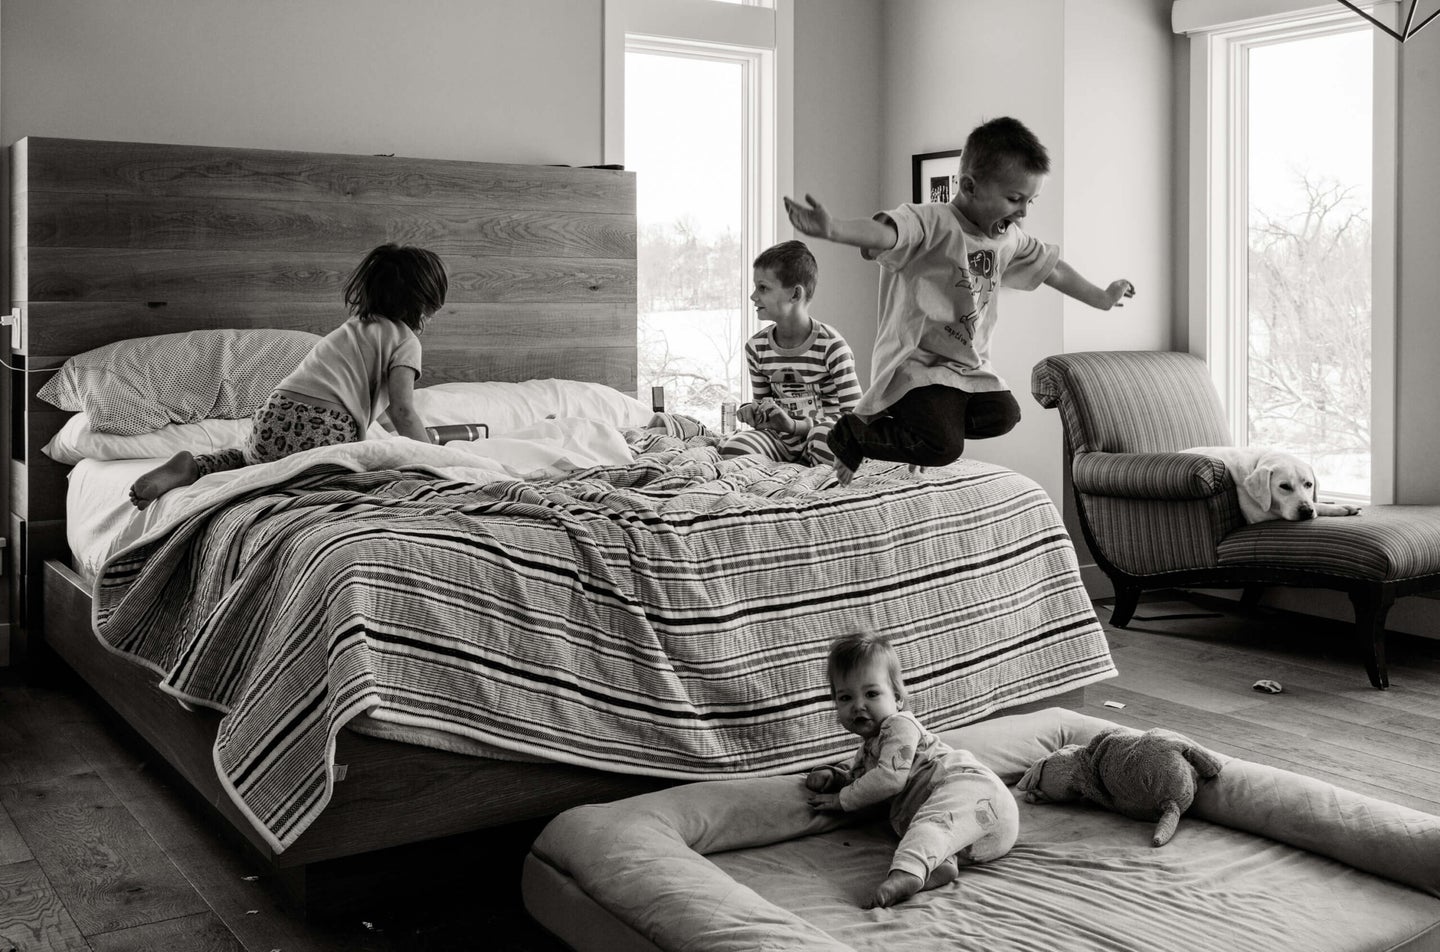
438 79
838 49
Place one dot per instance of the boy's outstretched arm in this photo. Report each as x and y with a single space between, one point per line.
1070 282
813 219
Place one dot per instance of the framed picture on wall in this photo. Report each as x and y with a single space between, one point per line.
935 176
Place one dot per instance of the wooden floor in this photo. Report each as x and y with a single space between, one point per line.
99 850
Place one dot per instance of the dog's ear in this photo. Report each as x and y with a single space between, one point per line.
1257 486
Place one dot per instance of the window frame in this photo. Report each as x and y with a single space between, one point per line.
760 39
1220 34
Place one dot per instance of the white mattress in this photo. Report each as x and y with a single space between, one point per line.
97 508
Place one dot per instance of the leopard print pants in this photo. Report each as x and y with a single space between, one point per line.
283 427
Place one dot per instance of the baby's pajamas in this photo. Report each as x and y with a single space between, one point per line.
944 802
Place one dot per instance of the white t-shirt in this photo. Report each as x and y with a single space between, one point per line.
351 366
938 301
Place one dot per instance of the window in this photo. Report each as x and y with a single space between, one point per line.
694 96
1291 272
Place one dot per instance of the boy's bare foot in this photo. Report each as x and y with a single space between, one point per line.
843 473
179 470
896 888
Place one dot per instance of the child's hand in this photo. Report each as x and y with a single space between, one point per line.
748 414
825 802
772 416
820 779
1117 291
813 220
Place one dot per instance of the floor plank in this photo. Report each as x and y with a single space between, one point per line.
199 933
32 916
100 861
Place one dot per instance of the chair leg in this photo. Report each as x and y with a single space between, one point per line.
1371 607
1126 598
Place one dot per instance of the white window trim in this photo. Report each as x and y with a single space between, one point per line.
1216 242
763 38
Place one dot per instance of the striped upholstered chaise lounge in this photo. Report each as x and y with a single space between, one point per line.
1154 517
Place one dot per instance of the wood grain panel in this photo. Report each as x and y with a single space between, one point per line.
119 168
65 220
63 328
281 277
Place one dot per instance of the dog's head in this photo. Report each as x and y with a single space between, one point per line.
1283 486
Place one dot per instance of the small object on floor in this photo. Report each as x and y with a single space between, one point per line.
1268 686
1115 704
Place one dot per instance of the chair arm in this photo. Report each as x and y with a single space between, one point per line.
1160 476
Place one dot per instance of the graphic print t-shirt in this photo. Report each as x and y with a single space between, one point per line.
939 289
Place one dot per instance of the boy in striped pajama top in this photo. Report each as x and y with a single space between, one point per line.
802 373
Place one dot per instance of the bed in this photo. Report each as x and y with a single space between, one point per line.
653 642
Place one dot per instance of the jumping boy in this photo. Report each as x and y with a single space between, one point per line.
941 268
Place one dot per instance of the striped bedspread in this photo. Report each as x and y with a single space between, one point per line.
669 616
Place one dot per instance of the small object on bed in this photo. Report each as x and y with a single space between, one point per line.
1268 686
1147 776
657 399
457 431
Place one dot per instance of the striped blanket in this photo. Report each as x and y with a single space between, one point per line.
668 616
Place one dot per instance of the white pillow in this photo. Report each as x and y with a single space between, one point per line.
504 407
77 441
139 385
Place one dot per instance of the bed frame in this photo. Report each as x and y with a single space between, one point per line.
115 240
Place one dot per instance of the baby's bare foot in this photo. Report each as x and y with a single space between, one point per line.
946 872
896 888
179 470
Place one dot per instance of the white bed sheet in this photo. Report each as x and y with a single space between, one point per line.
97 508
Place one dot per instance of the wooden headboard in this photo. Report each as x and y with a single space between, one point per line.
119 239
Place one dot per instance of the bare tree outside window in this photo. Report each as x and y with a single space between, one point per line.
1309 270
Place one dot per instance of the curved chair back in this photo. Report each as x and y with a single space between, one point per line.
1132 401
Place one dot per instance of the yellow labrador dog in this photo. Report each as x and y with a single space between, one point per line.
1273 485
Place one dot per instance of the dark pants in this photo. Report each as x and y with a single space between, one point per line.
926 427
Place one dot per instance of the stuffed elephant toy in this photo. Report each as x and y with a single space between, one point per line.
1146 776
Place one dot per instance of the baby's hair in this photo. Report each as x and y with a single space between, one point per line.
792 263
993 145
399 282
858 648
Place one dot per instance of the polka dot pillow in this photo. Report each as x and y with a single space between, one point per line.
140 385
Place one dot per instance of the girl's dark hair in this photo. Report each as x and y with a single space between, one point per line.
792 263
398 282
849 652
993 145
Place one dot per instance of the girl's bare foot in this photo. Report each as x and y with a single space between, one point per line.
896 888
179 470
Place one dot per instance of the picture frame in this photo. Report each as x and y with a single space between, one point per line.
934 176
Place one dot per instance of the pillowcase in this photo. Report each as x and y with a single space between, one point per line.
139 385
76 440
504 407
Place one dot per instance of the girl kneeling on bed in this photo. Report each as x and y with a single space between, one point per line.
949 809
353 374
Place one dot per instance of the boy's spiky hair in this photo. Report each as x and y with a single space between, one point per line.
993 145
792 263
400 282
860 647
